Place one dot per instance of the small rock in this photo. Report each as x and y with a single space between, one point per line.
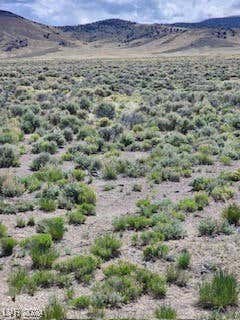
170 258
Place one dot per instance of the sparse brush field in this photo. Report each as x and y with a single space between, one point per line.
119 188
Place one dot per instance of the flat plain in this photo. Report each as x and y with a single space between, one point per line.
119 185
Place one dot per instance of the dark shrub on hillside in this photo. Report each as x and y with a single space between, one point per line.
30 122
40 161
8 157
7 244
232 213
85 103
105 110
57 137
80 193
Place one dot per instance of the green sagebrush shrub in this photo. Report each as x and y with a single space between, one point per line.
53 226
219 292
8 157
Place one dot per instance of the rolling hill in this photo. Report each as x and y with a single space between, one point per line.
18 33
120 31
225 22
115 37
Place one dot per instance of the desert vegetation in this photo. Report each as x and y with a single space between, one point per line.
119 188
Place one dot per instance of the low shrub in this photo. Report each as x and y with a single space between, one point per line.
222 193
17 282
202 158
234 176
121 268
30 122
131 222
41 250
176 276
49 278
187 204
44 146
83 267
76 217
153 283
81 302
55 136
201 184
20 223
232 214
7 208
31 183
105 110
109 171
40 162
125 282
184 260
220 292
115 291
157 286
50 174
53 226
54 310
106 247
11 187
79 174
157 251
198 202
165 312
8 157
50 191
87 209
80 193
47 205
147 238
207 227
171 230
3 230
24 206
211 227
7 244
68 134
85 103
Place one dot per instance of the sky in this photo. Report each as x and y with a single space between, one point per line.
72 12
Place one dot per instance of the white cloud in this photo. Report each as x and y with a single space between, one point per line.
62 12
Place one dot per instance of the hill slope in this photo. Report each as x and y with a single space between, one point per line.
225 22
116 37
17 33
119 31
158 38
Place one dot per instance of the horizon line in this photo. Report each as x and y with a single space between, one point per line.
108 19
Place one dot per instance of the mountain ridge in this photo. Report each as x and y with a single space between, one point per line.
221 22
20 36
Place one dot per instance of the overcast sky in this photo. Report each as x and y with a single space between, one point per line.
70 12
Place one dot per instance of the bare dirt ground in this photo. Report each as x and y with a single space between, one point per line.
208 253
120 201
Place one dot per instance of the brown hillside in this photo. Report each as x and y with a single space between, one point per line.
18 35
